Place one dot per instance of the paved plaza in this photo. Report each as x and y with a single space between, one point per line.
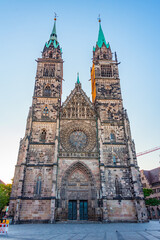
110 231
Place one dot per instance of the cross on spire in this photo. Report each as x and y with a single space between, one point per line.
55 16
99 18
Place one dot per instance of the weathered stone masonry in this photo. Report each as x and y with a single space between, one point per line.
77 160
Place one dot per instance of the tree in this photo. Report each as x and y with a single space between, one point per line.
150 201
147 192
5 191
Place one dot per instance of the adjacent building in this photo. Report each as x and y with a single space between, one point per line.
77 160
151 179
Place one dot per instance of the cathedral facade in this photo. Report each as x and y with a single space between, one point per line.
77 160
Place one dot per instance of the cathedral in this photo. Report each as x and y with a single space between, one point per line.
77 160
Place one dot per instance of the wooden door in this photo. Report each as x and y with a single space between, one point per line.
72 210
83 210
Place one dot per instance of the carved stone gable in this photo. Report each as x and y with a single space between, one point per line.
77 105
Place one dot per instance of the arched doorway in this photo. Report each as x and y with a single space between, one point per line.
78 195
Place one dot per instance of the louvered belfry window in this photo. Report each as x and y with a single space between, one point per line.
106 70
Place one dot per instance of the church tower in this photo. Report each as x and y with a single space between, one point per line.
122 195
33 193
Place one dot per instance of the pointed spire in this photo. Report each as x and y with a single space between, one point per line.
101 38
78 82
53 35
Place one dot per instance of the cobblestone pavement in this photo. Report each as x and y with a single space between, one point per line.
62 231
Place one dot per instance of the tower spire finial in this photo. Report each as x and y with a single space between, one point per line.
55 16
53 35
78 78
101 38
99 18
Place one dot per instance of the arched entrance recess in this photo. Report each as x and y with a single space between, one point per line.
78 193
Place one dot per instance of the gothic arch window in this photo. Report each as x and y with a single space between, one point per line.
45 111
118 187
112 137
108 91
47 91
45 72
38 185
43 135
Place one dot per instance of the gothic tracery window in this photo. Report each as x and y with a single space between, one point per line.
49 69
47 91
38 185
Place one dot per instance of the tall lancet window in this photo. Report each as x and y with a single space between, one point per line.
112 137
114 160
38 185
118 187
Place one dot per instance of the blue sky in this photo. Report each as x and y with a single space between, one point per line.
131 27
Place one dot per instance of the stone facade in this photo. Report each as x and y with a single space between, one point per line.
77 160
151 179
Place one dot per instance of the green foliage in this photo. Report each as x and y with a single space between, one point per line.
152 202
147 192
5 191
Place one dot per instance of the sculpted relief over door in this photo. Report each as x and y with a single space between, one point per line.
77 183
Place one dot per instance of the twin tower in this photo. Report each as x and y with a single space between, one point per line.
77 160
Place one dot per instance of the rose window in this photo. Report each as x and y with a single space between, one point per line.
78 140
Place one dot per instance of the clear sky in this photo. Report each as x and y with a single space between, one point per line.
133 30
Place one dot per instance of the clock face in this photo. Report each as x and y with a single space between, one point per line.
78 140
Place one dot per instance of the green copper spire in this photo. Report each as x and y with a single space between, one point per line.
78 78
53 35
101 38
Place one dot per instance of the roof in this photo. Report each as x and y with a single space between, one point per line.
1 182
101 38
153 176
53 38
74 92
